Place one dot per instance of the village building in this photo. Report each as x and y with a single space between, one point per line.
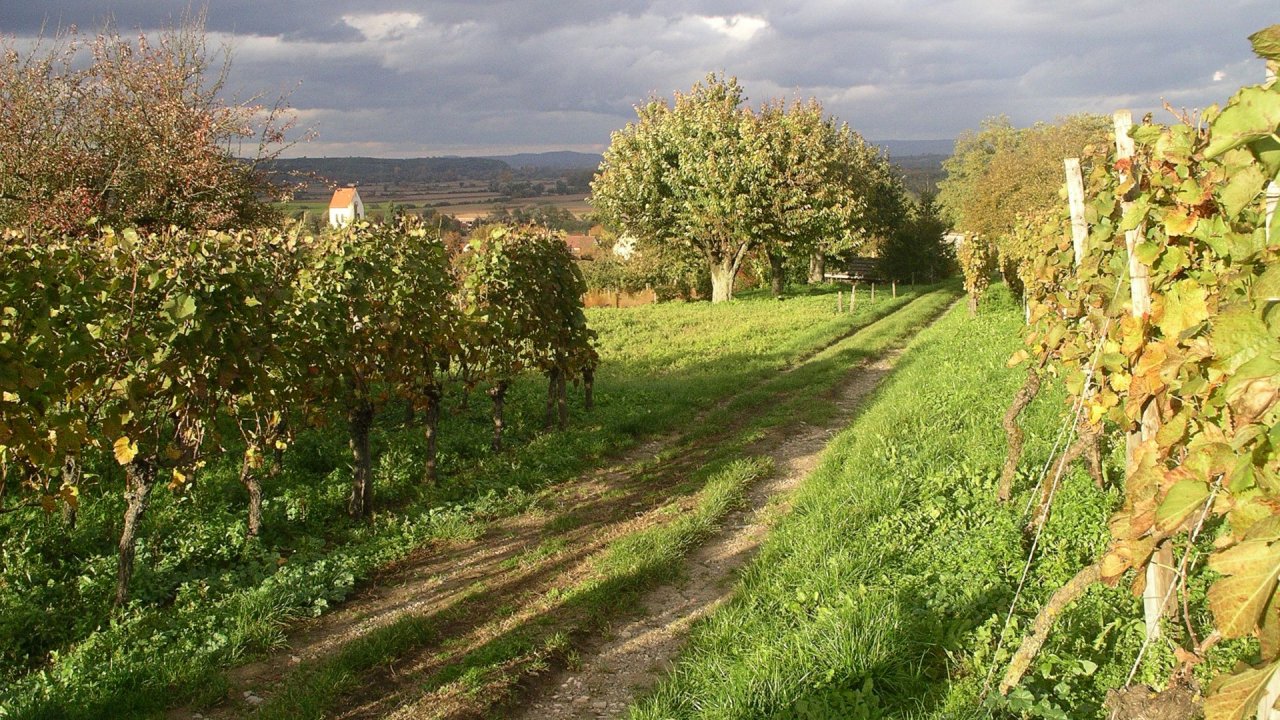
583 247
345 207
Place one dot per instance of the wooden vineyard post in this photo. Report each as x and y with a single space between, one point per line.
839 301
1273 189
1271 695
873 292
895 289
853 296
1075 200
1160 567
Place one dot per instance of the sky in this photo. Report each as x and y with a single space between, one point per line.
392 78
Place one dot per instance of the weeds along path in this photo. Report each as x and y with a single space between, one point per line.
458 630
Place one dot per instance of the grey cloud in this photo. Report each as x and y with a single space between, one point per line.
524 75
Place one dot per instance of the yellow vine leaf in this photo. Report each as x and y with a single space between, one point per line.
1182 501
1235 696
1237 601
124 450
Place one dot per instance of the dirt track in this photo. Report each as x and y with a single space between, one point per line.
488 591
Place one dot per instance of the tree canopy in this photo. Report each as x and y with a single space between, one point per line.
134 133
720 179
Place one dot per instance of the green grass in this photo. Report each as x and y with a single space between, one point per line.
875 596
623 570
633 563
205 599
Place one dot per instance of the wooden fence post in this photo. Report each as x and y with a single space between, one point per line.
1160 567
839 301
1075 200
873 292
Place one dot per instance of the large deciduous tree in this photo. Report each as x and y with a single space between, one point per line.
1000 176
133 132
717 178
682 174
816 185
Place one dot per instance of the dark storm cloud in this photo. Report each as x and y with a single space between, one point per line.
390 77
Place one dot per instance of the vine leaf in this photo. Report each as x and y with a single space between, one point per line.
1253 114
1183 499
1185 306
1234 696
125 450
1266 42
1241 190
1237 601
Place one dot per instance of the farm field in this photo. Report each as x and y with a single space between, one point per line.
464 206
204 599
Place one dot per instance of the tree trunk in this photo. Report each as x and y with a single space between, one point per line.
140 478
817 267
562 401
588 388
253 484
499 394
722 281
553 380
973 305
430 430
359 422
778 273
1058 602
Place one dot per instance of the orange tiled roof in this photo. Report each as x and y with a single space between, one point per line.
342 197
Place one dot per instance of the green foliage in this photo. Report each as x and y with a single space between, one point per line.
204 596
916 249
883 591
521 302
718 179
1003 178
977 258
1201 365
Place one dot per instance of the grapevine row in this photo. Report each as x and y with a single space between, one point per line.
1193 380
160 349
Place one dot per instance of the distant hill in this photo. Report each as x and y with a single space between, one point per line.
921 173
908 148
370 171
559 160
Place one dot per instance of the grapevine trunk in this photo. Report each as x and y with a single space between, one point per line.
140 478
